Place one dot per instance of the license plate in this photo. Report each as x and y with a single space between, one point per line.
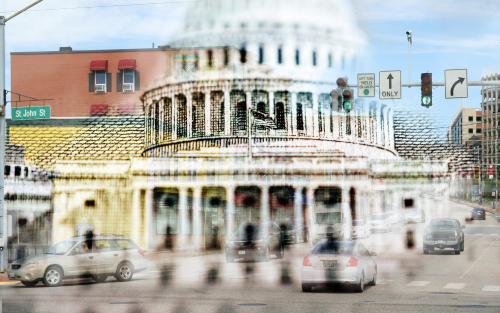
12 275
241 252
329 264
440 241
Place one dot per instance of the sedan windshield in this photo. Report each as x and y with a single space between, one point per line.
443 224
62 247
329 246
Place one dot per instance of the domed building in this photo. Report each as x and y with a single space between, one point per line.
244 129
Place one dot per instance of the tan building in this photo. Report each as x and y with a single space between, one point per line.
466 126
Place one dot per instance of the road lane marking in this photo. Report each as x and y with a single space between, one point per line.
456 286
477 260
491 288
417 283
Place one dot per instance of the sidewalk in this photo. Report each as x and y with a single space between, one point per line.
4 280
486 206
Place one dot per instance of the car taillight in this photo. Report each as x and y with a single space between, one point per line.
142 252
353 262
306 262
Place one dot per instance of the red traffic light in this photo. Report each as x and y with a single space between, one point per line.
347 94
342 82
426 86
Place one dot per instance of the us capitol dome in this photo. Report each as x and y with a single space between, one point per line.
277 58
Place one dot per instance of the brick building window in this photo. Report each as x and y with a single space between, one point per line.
99 78
127 77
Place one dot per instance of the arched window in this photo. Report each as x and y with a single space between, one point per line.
280 55
239 112
217 112
297 57
315 58
181 116
261 54
198 114
157 122
300 117
243 54
226 56
280 116
166 207
167 119
210 58
261 107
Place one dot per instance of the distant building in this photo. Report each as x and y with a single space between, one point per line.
491 122
466 127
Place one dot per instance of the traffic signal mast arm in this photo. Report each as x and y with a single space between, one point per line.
480 83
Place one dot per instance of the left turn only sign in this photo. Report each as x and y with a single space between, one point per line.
366 85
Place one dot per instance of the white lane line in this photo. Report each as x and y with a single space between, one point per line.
456 286
491 288
417 283
477 260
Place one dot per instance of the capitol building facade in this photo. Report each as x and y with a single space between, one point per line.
244 129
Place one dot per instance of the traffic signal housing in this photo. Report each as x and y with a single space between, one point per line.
347 99
426 87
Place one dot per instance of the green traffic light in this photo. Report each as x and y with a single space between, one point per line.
348 106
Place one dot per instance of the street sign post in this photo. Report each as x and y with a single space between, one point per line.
390 85
31 113
366 85
456 84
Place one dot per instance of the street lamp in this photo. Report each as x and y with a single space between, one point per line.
409 38
3 103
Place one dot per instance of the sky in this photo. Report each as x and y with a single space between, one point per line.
447 34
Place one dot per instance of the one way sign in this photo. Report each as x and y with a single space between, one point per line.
390 85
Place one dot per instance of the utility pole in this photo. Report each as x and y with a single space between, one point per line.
3 108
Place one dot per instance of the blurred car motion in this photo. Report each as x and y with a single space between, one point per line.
478 214
444 234
338 262
250 243
380 222
414 215
360 229
98 258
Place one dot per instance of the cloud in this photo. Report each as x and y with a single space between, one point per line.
412 10
50 24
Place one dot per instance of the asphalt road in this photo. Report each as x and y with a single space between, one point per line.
408 282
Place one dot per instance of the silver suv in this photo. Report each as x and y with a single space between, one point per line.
98 258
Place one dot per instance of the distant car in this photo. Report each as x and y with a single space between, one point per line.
338 262
478 214
414 215
254 245
379 222
359 229
98 258
444 234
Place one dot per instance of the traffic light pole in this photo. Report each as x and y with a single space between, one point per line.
3 103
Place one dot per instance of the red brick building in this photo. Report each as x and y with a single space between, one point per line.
89 83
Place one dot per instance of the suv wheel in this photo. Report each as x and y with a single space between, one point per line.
124 271
53 276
